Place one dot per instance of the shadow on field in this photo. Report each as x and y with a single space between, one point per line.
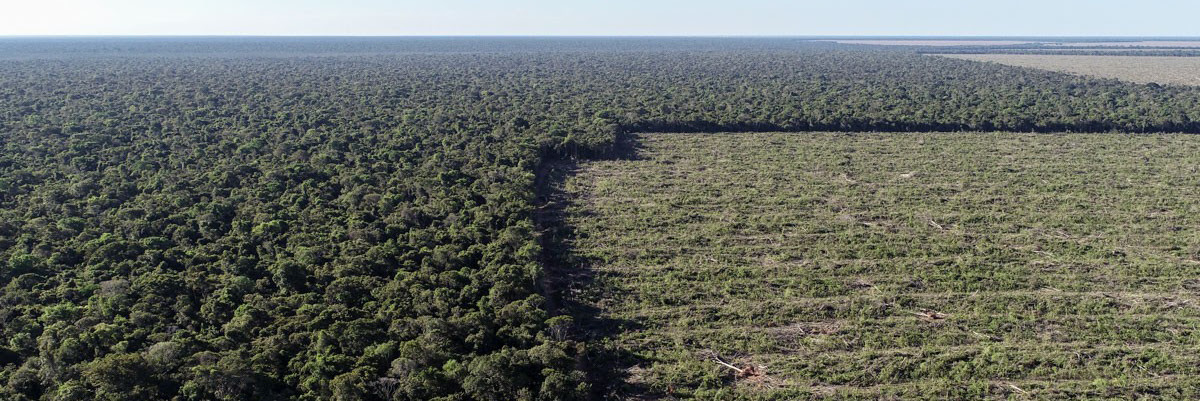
569 281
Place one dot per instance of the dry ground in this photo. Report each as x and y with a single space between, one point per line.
931 42
1141 69
968 42
1148 43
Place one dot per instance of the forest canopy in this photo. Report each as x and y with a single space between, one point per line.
353 218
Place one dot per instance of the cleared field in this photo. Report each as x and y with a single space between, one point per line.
1130 50
896 265
902 42
1142 69
969 42
1146 43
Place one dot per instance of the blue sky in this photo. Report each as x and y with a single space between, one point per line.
596 17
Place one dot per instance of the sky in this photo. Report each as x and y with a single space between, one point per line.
603 17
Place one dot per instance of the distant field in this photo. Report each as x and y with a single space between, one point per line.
1094 49
931 42
1148 43
1142 69
968 42
897 265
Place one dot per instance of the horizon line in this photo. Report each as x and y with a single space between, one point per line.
797 36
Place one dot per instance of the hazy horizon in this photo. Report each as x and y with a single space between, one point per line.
617 18
500 36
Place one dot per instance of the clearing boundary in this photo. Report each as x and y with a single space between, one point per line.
781 266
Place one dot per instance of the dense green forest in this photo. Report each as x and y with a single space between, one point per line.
353 219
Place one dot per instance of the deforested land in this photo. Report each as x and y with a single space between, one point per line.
1142 69
905 265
